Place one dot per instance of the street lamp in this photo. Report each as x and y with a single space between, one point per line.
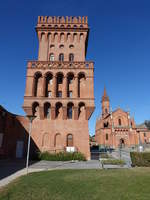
140 144
31 118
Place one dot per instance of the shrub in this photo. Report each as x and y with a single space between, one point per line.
62 156
105 155
140 159
113 162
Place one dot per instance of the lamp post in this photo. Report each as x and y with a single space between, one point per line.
31 118
140 144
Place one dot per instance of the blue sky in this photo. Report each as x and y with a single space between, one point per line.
119 44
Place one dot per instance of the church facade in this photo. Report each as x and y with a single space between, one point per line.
59 86
117 128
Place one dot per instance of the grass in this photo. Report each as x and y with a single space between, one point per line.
124 184
113 162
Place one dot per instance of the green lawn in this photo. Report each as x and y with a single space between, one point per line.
133 184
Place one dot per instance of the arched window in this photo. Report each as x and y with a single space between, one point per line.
106 136
35 109
48 85
69 140
106 110
61 57
51 57
119 122
69 110
47 110
81 110
59 83
70 79
71 57
59 111
106 124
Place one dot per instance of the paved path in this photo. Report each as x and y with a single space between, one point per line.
92 164
125 155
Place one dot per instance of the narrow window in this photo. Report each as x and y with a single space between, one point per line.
59 94
61 57
119 122
47 110
51 58
69 140
49 94
69 113
50 81
144 134
1 139
59 79
70 94
71 57
106 136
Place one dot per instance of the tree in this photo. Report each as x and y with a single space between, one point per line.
147 123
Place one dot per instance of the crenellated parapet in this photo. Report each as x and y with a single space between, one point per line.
60 65
63 22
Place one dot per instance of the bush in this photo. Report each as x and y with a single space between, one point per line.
113 162
140 159
62 156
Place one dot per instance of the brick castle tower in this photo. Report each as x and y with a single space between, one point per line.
59 86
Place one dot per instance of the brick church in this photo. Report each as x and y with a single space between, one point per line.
117 128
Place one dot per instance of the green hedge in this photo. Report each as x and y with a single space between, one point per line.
113 162
62 156
140 159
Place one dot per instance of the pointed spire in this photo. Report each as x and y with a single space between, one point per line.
105 97
105 94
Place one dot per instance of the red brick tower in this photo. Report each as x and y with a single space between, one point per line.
59 86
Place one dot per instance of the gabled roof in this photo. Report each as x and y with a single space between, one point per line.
119 109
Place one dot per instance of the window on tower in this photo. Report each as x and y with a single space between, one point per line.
119 122
70 94
106 111
59 94
61 57
106 136
51 57
69 110
49 94
106 124
71 57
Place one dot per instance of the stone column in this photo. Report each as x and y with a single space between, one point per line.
43 86
75 112
54 86
76 87
64 88
29 86
53 113
64 113
41 112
